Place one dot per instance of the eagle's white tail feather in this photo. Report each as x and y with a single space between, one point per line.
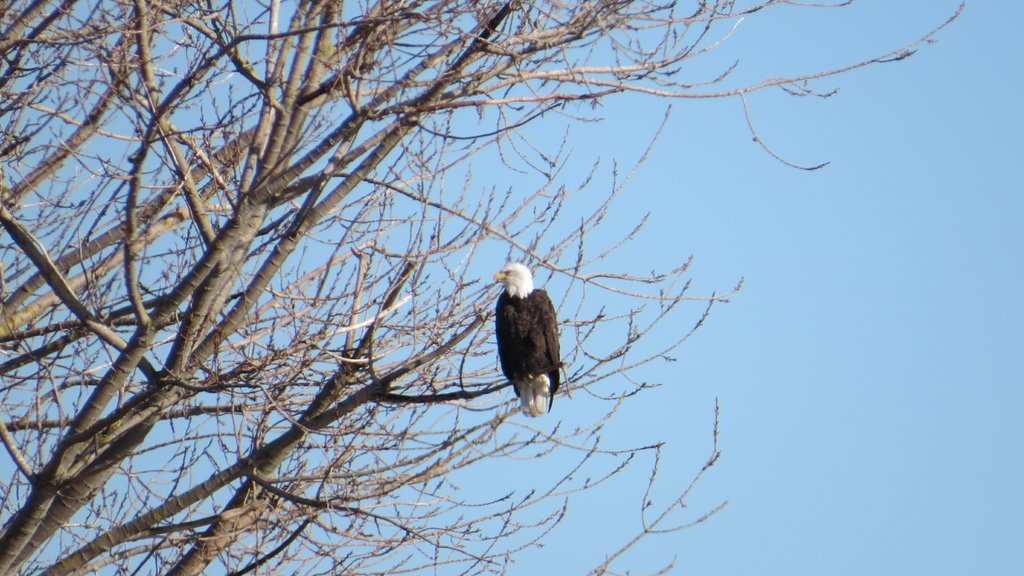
533 392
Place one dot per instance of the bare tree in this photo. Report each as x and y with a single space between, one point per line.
246 305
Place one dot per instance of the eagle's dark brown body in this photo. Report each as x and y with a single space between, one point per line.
527 332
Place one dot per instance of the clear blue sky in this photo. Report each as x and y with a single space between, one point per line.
870 372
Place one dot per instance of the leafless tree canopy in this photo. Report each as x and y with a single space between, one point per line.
245 283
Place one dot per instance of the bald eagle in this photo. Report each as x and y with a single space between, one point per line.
527 331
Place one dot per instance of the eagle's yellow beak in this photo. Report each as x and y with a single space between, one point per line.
499 276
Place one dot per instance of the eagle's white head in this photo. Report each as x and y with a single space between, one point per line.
517 279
